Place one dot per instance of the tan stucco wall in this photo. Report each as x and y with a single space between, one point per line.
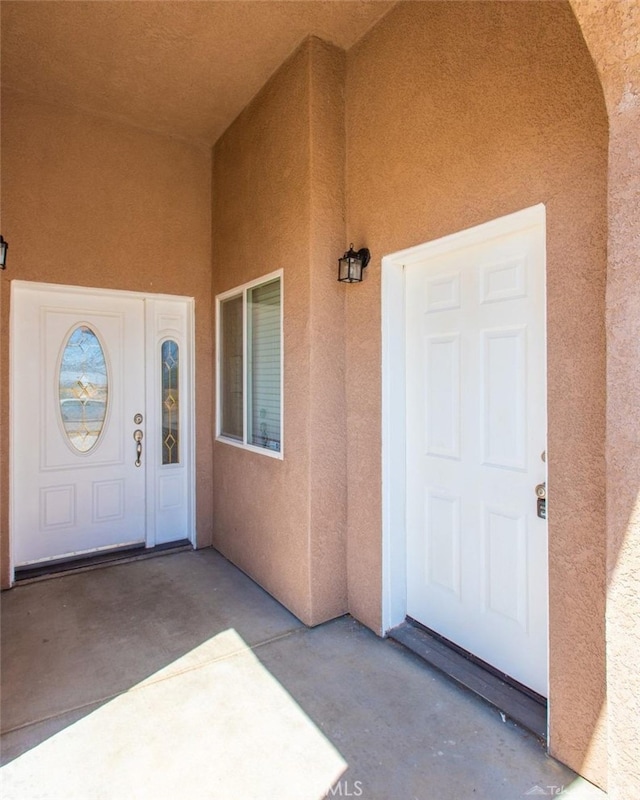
454 117
612 32
328 483
86 201
458 113
278 203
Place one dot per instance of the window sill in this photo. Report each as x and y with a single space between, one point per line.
263 451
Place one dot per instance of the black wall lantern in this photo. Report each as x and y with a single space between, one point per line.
351 264
3 253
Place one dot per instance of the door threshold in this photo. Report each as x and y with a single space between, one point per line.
56 569
522 705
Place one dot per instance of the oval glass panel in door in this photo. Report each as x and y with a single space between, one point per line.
83 388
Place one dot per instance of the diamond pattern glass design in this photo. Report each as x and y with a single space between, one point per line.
170 357
83 389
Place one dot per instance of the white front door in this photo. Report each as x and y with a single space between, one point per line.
100 432
475 439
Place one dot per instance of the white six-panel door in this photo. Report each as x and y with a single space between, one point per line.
475 438
87 372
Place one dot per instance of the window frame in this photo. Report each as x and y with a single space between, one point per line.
243 291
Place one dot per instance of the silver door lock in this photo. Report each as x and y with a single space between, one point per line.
541 494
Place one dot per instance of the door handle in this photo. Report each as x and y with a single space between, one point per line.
137 437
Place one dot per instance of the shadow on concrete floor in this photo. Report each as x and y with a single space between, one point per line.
178 677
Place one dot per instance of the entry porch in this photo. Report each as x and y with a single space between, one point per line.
178 677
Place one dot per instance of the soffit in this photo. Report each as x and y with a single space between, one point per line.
181 68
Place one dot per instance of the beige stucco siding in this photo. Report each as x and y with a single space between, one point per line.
278 203
458 113
444 116
612 33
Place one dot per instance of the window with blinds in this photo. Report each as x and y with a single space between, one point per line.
263 376
249 346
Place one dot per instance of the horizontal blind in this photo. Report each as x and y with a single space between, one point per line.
264 366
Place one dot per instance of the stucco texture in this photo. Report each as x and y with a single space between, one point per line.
455 113
458 113
612 32
184 69
278 203
89 202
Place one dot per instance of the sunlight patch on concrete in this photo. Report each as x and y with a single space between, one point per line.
206 726
580 789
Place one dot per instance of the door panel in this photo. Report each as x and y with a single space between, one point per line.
476 428
67 501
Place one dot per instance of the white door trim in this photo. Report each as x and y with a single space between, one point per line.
394 538
188 418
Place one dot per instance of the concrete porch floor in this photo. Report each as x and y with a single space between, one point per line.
178 677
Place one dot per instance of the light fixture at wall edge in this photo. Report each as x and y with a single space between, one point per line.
352 263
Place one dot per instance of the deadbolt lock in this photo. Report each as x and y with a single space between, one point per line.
541 504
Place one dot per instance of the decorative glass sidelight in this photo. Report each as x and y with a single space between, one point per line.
83 388
170 357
